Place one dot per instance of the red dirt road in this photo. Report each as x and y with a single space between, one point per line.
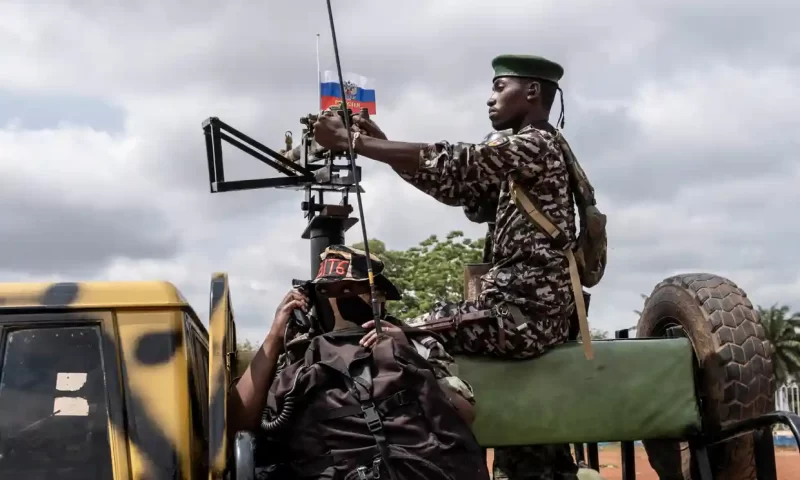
787 460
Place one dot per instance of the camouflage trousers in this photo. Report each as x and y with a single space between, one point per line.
501 334
501 331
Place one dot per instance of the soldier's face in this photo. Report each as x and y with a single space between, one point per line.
351 309
509 103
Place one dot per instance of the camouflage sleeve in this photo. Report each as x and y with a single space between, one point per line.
484 208
444 366
443 189
456 174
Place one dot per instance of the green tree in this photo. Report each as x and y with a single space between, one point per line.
781 332
247 345
429 272
598 334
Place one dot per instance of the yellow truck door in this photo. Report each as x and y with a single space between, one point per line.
222 347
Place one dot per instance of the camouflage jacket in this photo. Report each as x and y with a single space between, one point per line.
528 269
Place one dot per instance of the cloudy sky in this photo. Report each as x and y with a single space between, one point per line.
683 114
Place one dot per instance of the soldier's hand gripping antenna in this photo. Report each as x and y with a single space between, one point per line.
372 293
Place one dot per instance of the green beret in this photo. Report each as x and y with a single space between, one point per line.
529 66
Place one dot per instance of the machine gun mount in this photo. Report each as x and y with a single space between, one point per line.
307 167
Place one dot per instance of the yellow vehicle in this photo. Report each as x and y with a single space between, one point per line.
103 380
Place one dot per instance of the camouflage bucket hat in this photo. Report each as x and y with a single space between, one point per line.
343 272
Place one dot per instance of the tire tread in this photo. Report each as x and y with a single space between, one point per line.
744 388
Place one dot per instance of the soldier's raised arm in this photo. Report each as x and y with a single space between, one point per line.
447 170
523 90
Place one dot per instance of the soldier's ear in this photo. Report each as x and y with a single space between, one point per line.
534 91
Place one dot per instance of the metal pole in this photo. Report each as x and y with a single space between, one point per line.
319 78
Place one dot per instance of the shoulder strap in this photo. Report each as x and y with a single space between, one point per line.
538 218
534 213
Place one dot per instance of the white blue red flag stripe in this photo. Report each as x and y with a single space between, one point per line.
358 90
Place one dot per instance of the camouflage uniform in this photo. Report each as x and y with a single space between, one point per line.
528 271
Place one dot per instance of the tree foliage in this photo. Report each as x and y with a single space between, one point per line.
429 272
781 330
597 334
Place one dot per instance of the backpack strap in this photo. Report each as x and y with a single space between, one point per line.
360 386
539 219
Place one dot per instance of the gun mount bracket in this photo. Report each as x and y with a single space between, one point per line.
326 176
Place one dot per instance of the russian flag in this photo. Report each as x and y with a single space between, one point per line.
359 91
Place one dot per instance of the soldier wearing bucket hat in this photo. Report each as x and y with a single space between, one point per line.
342 283
343 280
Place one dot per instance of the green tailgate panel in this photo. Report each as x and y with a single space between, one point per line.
633 389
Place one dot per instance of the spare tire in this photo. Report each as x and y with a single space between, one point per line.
734 356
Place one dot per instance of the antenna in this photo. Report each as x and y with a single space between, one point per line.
373 295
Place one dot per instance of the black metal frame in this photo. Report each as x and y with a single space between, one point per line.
761 427
315 171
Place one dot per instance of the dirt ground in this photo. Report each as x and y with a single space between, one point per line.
787 460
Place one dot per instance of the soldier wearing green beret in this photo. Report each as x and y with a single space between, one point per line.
526 299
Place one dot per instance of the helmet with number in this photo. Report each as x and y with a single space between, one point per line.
343 272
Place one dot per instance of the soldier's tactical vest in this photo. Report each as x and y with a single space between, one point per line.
358 414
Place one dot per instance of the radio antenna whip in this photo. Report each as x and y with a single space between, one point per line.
372 293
